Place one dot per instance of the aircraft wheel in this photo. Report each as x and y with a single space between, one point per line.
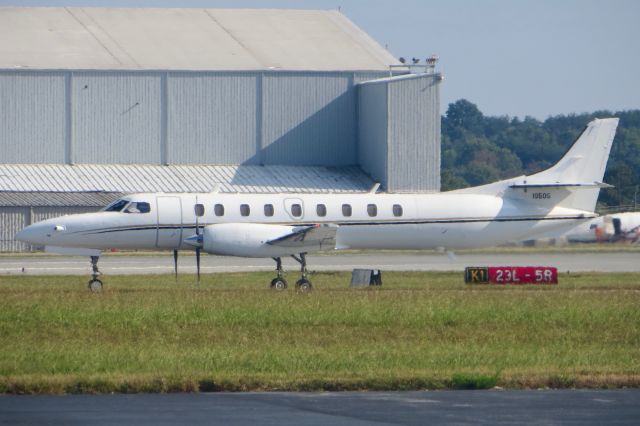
304 285
95 285
279 284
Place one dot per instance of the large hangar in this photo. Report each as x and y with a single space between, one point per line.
96 102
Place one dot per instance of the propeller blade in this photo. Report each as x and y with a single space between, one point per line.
198 210
198 263
195 212
175 263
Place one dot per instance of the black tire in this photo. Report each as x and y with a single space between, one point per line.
303 285
95 285
278 284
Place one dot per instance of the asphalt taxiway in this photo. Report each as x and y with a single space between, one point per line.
494 407
122 264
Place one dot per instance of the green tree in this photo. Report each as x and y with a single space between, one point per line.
477 149
463 114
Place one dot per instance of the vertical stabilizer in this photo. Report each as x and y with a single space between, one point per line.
580 171
574 182
586 160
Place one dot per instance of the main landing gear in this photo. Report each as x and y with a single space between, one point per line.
303 284
95 285
279 283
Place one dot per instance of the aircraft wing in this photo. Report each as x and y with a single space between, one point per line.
310 237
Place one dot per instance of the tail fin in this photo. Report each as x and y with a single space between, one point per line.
586 160
581 170
574 182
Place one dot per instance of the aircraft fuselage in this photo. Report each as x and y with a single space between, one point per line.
364 220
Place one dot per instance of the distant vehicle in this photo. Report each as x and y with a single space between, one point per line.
286 224
610 228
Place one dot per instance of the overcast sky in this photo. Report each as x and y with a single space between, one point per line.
510 57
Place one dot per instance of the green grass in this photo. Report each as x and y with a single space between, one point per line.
419 330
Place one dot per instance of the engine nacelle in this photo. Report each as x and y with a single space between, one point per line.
245 239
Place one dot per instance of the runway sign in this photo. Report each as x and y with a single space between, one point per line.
510 275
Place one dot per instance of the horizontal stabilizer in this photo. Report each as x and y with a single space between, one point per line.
317 236
562 185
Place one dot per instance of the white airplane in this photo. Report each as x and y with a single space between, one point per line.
616 227
277 225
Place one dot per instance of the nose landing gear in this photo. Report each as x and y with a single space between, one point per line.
95 285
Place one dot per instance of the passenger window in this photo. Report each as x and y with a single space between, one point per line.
296 210
372 210
346 210
268 210
198 209
245 210
397 210
138 207
321 210
218 209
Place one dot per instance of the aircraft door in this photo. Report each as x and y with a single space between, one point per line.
169 222
294 208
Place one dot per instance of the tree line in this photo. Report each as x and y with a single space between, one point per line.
477 149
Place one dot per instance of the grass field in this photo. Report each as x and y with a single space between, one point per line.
420 330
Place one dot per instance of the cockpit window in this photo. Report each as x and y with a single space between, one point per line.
116 206
138 207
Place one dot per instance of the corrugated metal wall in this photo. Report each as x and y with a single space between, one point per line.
373 130
360 77
414 134
401 114
12 219
212 118
116 118
309 119
179 117
48 212
32 117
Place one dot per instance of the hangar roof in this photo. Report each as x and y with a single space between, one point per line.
185 39
101 178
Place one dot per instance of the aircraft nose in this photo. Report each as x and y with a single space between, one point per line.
37 234
31 234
